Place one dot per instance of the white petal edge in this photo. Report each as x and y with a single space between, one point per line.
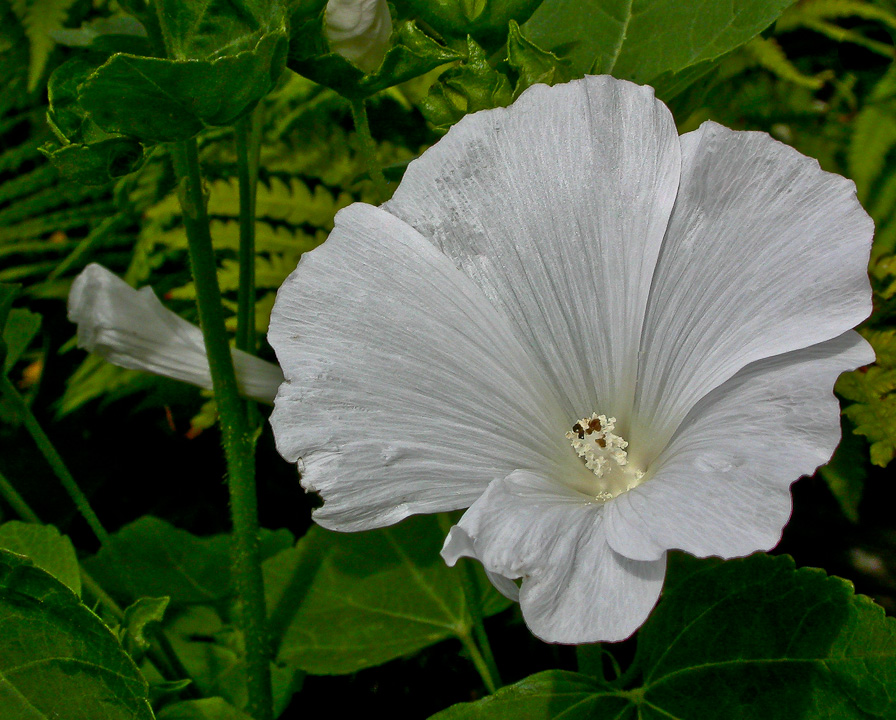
359 30
406 391
132 329
575 587
556 207
765 253
722 485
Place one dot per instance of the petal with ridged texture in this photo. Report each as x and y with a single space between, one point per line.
556 207
765 253
575 587
406 391
722 485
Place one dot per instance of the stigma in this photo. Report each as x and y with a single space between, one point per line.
604 453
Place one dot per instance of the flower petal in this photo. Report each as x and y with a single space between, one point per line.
765 253
132 329
556 207
722 485
575 588
406 390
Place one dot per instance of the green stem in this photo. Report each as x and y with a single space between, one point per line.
20 407
479 663
236 434
474 605
368 148
16 501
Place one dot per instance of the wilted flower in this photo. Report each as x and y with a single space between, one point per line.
359 30
605 340
132 329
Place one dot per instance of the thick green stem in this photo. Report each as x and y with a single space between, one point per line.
20 407
368 149
236 434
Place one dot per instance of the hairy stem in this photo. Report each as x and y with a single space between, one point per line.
236 434
368 149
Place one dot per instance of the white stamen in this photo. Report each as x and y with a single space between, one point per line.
604 454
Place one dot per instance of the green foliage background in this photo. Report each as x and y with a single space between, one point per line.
377 620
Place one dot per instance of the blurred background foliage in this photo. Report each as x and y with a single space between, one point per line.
822 78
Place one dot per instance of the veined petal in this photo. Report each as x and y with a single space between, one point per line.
132 329
575 587
556 207
765 254
722 485
406 391
359 30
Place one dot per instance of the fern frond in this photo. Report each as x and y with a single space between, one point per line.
801 13
40 18
13 158
768 54
60 221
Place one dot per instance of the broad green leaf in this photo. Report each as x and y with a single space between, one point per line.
162 100
137 619
751 638
206 709
340 602
212 653
46 548
164 561
641 39
58 659
21 327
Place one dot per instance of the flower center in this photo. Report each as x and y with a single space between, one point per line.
604 454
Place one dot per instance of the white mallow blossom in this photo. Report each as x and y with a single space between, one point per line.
359 30
605 340
132 329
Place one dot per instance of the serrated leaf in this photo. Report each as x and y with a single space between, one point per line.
58 659
339 602
40 18
95 163
165 561
46 548
747 639
533 64
641 39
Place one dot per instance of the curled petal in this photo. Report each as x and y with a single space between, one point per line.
556 207
359 30
722 485
575 587
765 253
406 392
132 329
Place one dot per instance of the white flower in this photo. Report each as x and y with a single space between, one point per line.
564 285
359 30
132 329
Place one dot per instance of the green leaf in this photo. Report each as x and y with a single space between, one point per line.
413 53
641 39
340 602
96 163
21 327
485 20
58 659
46 548
748 639
161 100
40 18
471 86
533 64
207 709
137 619
164 561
